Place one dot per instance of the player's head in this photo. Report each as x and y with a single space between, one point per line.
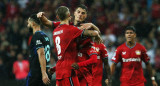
63 13
33 21
130 33
80 13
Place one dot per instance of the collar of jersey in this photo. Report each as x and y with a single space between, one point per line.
38 31
131 47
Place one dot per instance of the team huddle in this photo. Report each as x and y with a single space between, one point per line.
81 53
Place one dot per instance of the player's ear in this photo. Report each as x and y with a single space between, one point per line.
135 35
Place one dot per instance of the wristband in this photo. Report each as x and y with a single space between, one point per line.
153 78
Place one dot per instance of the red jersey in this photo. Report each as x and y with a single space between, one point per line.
131 61
97 69
65 44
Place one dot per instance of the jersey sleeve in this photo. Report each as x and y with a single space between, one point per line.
76 32
39 41
103 50
144 57
55 24
117 56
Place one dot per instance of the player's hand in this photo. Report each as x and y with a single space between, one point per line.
51 71
40 14
98 39
108 82
154 83
75 66
86 26
45 78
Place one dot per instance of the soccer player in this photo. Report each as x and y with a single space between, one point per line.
39 54
97 69
131 55
87 56
64 37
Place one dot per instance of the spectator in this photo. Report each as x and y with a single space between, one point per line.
3 73
20 69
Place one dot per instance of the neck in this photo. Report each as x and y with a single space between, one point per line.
36 28
75 22
130 43
65 22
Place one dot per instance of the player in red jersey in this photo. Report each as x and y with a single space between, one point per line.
64 40
87 56
131 55
97 69
80 16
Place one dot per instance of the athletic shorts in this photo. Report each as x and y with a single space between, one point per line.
70 81
126 84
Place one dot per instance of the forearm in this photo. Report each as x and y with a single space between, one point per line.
107 68
149 69
113 66
42 62
92 60
46 22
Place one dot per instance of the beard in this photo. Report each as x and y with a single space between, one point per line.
30 29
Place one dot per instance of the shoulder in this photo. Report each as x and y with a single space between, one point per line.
120 47
141 46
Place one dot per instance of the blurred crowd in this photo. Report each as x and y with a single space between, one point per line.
111 16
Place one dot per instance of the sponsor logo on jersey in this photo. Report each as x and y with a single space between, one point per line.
58 32
131 60
124 53
138 52
38 42
97 49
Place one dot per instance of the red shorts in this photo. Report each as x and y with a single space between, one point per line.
70 81
126 84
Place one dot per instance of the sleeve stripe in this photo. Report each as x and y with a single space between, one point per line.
105 58
93 54
39 47
113 62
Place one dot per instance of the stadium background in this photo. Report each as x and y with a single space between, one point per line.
111 16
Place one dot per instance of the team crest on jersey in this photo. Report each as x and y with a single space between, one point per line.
124 53
138 52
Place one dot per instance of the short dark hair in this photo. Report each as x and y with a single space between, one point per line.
83 7
130 28
62 12
34 18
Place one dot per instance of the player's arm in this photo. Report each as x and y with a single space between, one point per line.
90 26
44 20
108 71
42 61
52 70
150 71
91 60
145 58
90 33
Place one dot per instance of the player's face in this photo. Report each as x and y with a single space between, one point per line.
130 35
80 14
